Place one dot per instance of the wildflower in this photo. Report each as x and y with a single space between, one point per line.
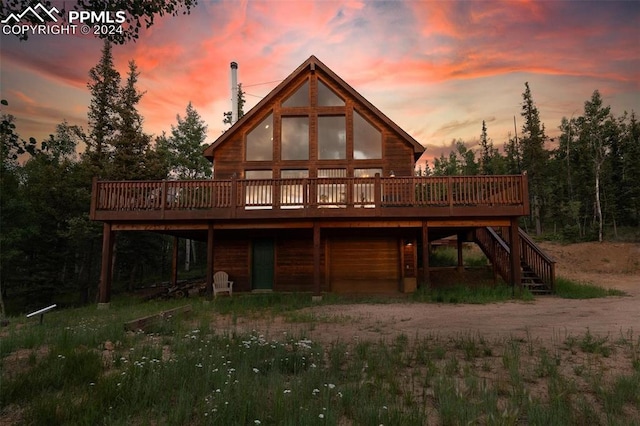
287 391
321 416
315 391
255 370
331 386
257 422
199 365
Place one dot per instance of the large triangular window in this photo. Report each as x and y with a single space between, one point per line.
260 141
326 96
299 98
367 140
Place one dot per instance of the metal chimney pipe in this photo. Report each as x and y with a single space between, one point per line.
234 92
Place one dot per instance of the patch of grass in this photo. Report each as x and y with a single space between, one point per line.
194 373
570 289
466 294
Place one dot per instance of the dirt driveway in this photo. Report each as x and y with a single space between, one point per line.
550 318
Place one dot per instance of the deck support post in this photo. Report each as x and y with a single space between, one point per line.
210 265
425 254
316 259
174 264
514 237
459 246
104 296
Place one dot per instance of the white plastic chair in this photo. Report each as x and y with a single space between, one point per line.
221 283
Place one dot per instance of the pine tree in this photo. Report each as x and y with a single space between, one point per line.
104 86
534 156
185 146
131 144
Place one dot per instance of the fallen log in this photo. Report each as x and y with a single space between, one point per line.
142 323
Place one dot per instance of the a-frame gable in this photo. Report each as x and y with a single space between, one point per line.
310 66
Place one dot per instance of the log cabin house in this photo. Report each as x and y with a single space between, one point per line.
314 190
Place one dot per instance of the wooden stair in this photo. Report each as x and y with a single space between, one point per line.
532 282
537 268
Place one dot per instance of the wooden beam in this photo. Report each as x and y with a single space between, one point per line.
459 246
514 236
425 254
104 296
210 258
468 223
316 259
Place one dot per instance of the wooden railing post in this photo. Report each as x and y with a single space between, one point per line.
164 197
377 193
524 191
450 192
234 195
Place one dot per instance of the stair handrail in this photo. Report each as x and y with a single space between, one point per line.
541 263
496 249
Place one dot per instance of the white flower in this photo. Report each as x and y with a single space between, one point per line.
257 422
331 386
321 416
255 370
287 391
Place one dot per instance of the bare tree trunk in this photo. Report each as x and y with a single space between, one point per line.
598 205
187 255
3 312
536 215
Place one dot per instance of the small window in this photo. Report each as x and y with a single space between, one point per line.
295 138
326 96
260 141
367 140
366 173
332 138
300 98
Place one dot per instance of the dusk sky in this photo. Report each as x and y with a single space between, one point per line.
436 68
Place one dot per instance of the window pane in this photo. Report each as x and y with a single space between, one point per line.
300 97
260 141
295 138
258 174
332 140
367 140
258 194
293 194
332 193
364 190
326 97
332 173
294 174
366 172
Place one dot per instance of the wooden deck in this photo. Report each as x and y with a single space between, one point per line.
310 198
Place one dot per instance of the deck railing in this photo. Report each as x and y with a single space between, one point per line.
253 194
497 248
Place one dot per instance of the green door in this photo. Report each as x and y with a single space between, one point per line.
262 264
